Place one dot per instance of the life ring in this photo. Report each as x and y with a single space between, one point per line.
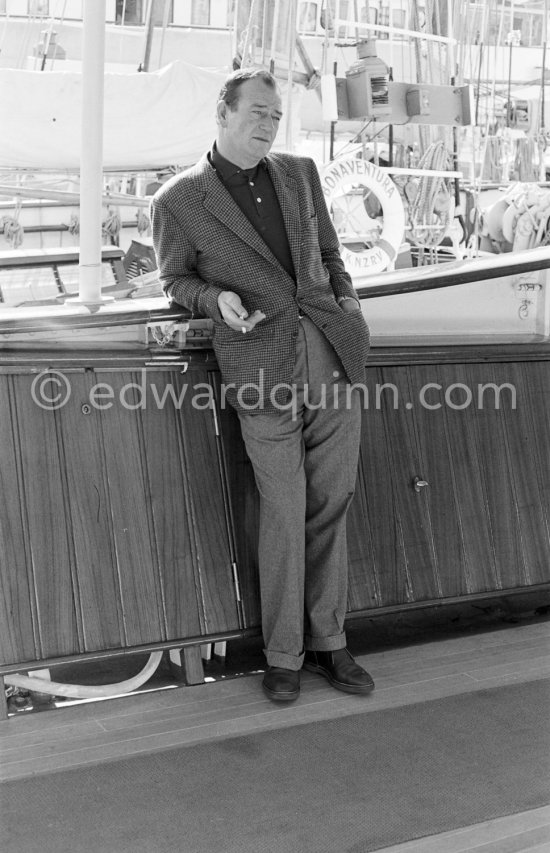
341 173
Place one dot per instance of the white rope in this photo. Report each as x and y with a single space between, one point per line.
12 231
143 222
86 691
111 225
429 211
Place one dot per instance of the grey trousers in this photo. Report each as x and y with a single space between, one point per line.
305 465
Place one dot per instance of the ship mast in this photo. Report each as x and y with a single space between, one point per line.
91 165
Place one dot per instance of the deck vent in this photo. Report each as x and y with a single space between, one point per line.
367 82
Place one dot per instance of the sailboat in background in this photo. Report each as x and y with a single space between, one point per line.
400 90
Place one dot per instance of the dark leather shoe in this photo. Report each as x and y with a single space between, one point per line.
340 669
281 685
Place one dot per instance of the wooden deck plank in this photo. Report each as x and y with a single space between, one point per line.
97 732
387 660
103 731
224 721
484 836
188 704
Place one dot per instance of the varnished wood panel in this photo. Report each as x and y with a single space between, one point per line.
89 515
169 487
482 522
243 507
458 503
363 587
528 453
442 465
538 390
49 544
377 570
17 605
200 446
120 534
406 463
123 448
494 435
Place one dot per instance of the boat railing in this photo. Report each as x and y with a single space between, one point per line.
33 319
453 273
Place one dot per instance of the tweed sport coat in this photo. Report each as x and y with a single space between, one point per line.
205 244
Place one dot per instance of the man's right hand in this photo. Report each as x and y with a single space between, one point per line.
235 314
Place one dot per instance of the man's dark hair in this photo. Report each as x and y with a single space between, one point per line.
230 89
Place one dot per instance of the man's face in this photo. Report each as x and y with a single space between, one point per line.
247 132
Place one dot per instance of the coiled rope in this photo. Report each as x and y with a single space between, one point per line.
12 230
74 225
143 222
110 227
430 209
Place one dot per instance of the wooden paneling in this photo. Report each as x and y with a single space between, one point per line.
242 506
528 459
463 551
49 542
444 460
124 451
538 402
407 463
127 525
170 510
377 570
116 533
18 618
88 519
203 477
482 523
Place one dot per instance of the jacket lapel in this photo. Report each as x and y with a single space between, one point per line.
287 193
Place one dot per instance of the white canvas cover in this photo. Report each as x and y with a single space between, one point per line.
151 119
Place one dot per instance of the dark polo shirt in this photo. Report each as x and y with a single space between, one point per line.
253 191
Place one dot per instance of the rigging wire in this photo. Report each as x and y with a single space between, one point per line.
247 35
292 24
5 30
122 25
61 22
165 22
24 46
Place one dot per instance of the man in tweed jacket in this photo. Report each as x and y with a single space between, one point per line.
245 237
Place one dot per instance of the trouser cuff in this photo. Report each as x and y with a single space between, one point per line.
283 659
326 644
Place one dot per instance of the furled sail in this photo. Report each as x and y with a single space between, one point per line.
151 119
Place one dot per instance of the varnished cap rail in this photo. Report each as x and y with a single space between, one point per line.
454 273
123 312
